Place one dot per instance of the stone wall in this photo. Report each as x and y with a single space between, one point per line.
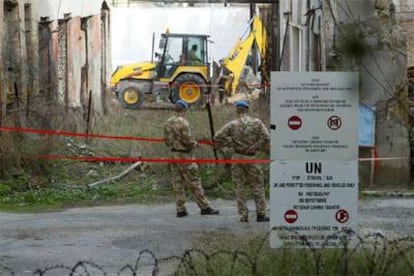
365 36
405 17
408 27
14 54
2 83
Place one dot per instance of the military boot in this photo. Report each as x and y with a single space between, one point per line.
209 211
182 214
244 219
262 218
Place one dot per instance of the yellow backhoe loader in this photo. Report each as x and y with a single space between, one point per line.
182 70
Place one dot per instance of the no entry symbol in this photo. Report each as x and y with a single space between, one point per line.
342 216
291 216
294 122
334 122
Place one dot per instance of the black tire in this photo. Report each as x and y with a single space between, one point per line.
130 94
190 88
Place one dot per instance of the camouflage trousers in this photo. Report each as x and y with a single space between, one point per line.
186 175
245 177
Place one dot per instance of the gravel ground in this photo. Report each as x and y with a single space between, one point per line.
113 236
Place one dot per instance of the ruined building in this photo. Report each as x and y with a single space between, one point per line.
373 38
405 16
58 50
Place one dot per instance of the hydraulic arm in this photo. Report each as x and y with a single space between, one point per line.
236 60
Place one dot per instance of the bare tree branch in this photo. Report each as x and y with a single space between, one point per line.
117 177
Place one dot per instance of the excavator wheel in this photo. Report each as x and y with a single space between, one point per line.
130 94
189 88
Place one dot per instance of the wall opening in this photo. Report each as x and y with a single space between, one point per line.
30 54
45 65
84 96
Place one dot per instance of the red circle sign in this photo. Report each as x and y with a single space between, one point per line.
342 216
294 122
291 216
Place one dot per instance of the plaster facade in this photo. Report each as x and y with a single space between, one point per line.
364 36
56 49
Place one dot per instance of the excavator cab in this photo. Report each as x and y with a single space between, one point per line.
184 66
182 50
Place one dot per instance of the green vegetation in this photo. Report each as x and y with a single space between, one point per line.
59 197
252 256
30 183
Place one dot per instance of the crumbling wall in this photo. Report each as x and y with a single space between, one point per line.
62 62
14 53
45 60
2 77
106 50
95 62
53 52
32 51
405 17
365 36
76 59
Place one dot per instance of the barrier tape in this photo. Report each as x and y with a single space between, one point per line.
152 160
170 160
84 135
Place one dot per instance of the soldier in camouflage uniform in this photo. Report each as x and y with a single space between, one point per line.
184 175
246 135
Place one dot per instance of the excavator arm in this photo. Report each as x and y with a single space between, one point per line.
236 60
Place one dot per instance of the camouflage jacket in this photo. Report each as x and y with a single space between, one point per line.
177 134
243 133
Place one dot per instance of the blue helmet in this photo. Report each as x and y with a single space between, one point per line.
241 104
182 103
